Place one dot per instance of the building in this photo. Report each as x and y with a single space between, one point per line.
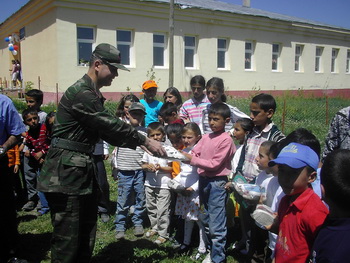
249 48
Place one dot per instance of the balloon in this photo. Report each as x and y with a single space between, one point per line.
15 47
10 45
10 38
14 52
11 48
7 39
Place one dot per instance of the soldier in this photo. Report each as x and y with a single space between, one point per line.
68 177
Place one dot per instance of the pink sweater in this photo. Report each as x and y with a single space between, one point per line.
213 154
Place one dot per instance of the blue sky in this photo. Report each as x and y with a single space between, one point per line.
333 12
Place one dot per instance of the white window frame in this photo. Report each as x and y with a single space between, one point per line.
126 43
276 57
222 50
334 68
298 58
163 46
318 59
250 53
85 41
190 48
347 66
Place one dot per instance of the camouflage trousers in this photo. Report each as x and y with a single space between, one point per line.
74 221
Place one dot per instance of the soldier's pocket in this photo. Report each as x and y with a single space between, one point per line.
74 168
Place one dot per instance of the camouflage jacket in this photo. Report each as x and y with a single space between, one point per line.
81 119
339 132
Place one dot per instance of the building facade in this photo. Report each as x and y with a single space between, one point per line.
250 49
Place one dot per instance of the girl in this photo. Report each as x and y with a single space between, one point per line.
123 106
187 203
215 93
173 95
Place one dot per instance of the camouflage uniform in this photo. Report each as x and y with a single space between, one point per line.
68 176
339 132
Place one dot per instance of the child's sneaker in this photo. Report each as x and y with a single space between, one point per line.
139 231
160 240
119 235
199 255
207 258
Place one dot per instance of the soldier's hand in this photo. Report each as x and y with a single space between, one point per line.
154 147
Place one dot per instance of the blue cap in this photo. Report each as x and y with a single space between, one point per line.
296 155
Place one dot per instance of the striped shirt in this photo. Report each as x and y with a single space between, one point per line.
191 110
235 115
37 142
129 159
255 139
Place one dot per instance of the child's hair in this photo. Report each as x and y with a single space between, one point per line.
335 178
218 84
192 126
120 110
220 108
274 150
47 122
38 95
265 101
246 123
28 111
198 79
174 128
175 92
267 145
155 126
167 109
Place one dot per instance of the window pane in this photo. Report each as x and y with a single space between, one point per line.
123 35
221 59
248 61
124 53
158 56
85 33
85 50
222 43
189 58
190 41
275 48
248 46
158 39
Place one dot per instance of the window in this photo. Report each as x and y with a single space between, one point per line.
22 33
159 50
348 61
86 39
124 44
190 51
334 60
248 60
222 51
297 62
275 56
319 51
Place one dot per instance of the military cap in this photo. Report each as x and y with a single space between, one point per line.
109 55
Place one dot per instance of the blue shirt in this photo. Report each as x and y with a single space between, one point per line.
152 110
10 121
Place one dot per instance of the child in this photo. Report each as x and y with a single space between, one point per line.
301 212
173 95
187 204
149 89
131 178
262 108
158 197
168 113
34 99
212 155
332 243
37 147
215 92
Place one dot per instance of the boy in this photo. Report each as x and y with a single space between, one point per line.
212 155
158 196
301 212
37 145
262 108
332 243
34 99
168 112
131 178
149 89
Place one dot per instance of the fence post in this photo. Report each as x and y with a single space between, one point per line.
56 94
327 110
39 82
284 114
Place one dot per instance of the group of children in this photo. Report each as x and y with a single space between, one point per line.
179 192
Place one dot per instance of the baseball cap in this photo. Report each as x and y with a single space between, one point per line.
110 55
149 84
296 155
137 106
